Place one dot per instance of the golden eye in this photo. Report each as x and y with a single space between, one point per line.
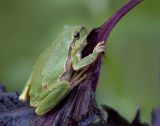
76 35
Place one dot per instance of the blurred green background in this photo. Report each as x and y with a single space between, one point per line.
130 70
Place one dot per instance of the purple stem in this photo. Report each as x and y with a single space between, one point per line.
102 33
107 27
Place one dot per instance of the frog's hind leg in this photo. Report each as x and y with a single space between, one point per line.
58 92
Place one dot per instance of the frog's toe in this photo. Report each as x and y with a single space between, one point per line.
23 97
34 103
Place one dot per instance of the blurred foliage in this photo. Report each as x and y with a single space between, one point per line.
130 70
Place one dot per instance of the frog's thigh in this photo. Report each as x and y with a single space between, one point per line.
54 97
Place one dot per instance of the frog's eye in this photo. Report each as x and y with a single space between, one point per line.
76 35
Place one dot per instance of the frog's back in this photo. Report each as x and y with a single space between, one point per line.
50 64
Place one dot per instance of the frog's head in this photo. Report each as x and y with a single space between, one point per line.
80 35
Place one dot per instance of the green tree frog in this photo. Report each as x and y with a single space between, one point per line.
59 69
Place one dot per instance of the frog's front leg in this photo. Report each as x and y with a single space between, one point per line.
58 92
86 61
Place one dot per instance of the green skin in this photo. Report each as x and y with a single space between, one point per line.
59 69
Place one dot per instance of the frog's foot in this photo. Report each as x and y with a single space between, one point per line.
78 74
100 47
76 82
34 104
78 77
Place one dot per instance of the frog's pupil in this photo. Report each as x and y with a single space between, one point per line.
76 35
